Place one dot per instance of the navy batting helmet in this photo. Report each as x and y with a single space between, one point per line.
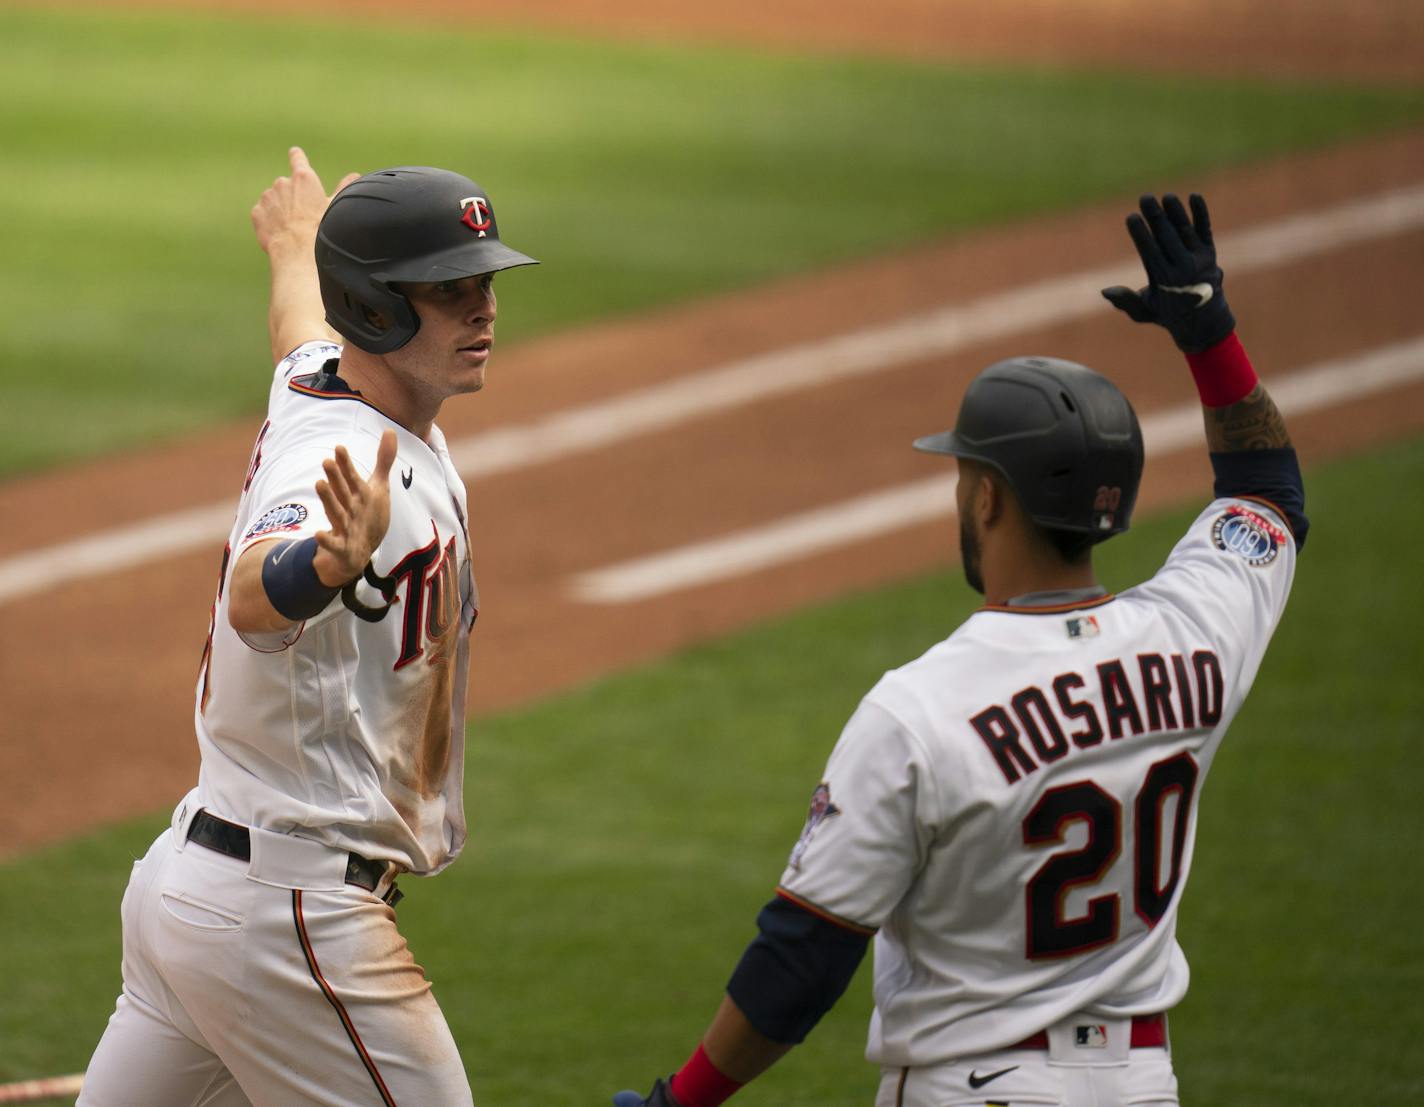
411 223
1064 436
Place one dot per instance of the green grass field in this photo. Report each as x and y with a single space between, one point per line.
625 834
133 146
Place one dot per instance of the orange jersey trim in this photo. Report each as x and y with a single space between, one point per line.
316 393
822 913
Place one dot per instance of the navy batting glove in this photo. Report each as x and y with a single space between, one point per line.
660 1096
1183 290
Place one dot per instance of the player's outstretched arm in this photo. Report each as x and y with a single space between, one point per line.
791 974
1250 448
732 1053
276 584
285 219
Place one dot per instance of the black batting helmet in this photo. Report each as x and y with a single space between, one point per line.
411 223
1064 436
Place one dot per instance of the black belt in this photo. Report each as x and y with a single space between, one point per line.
234 841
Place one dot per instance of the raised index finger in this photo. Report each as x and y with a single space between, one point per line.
298 157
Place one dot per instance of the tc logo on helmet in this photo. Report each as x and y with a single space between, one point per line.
477 214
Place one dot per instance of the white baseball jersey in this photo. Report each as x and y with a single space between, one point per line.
1014 811
344 730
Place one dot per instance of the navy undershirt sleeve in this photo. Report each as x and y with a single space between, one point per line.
1270 474
794 970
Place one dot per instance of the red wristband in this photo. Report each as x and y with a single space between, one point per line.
699 1083
1223 373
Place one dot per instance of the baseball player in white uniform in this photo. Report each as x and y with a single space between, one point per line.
1010 817
262 962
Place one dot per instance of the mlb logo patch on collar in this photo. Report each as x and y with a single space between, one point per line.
1251 537
1083 626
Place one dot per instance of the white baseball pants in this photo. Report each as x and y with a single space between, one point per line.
240 991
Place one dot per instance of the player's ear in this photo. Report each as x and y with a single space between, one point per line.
989 504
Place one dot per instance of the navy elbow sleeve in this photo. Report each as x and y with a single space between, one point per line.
794 970
1272 475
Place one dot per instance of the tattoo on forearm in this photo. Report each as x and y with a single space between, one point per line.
1250 424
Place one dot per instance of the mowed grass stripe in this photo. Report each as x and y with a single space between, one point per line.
625 835
135 145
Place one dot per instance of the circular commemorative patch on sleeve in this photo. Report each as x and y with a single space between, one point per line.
1251 537
286 517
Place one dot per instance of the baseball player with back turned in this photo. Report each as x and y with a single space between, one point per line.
1011 816
262 963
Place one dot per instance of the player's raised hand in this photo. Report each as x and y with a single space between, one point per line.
286 220
1184 283
359 512
290 209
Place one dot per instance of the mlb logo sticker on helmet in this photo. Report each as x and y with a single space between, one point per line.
1105 505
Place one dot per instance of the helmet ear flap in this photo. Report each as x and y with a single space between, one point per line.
377 318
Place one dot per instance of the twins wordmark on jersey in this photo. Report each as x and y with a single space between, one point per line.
427 581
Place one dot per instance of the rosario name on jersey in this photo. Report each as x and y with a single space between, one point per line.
1013 813
346 729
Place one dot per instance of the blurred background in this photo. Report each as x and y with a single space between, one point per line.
777 239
